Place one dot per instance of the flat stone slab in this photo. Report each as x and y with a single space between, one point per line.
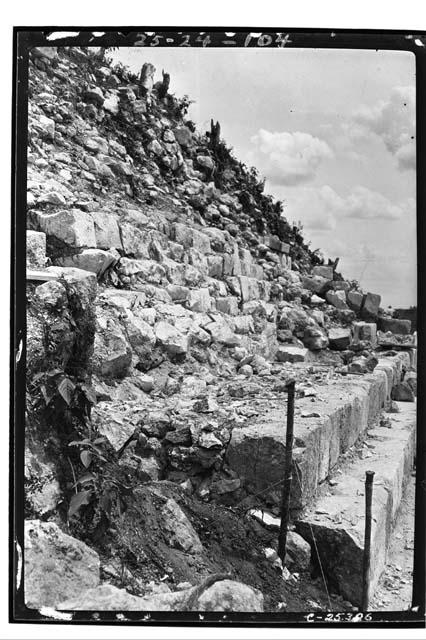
337 520
42 276
323 430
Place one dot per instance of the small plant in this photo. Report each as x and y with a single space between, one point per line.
58 393
181 105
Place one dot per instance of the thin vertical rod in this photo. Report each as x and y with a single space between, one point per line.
367 541
285 500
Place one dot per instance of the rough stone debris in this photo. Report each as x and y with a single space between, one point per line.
226 595
190 303
36 249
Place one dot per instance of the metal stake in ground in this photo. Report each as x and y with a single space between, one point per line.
285 501
367 540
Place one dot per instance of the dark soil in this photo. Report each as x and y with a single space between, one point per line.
234 543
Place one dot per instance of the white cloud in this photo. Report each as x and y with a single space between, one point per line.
289 158
393 120
323 209
365 204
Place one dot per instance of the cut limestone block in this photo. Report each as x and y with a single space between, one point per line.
172 340
337 299
395 325
107 232
94 260
370 307
199 300
323 432
72 227
365 331
339 338
227 305
222 333
338 519
40 276
274 243
355 299
291 354
249 288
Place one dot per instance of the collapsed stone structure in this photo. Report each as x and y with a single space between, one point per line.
174 295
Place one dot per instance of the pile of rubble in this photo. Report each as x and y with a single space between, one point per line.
174 285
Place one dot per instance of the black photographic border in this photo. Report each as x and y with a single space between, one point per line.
24 38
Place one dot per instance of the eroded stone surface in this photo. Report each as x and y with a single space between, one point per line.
57 566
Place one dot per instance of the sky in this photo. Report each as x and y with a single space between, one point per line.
333 133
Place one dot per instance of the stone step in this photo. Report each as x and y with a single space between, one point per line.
337 520
34 275
324 429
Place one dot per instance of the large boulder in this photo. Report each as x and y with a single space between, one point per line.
223 595
222 333
73 227
228 595
57 566
114 421
315 338
51 295
294 319
139 334
112 353
172 340
181 533
315 284
298 552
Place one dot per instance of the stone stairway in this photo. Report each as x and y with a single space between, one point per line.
337 519
327 422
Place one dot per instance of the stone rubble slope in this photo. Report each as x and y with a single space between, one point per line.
185 297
